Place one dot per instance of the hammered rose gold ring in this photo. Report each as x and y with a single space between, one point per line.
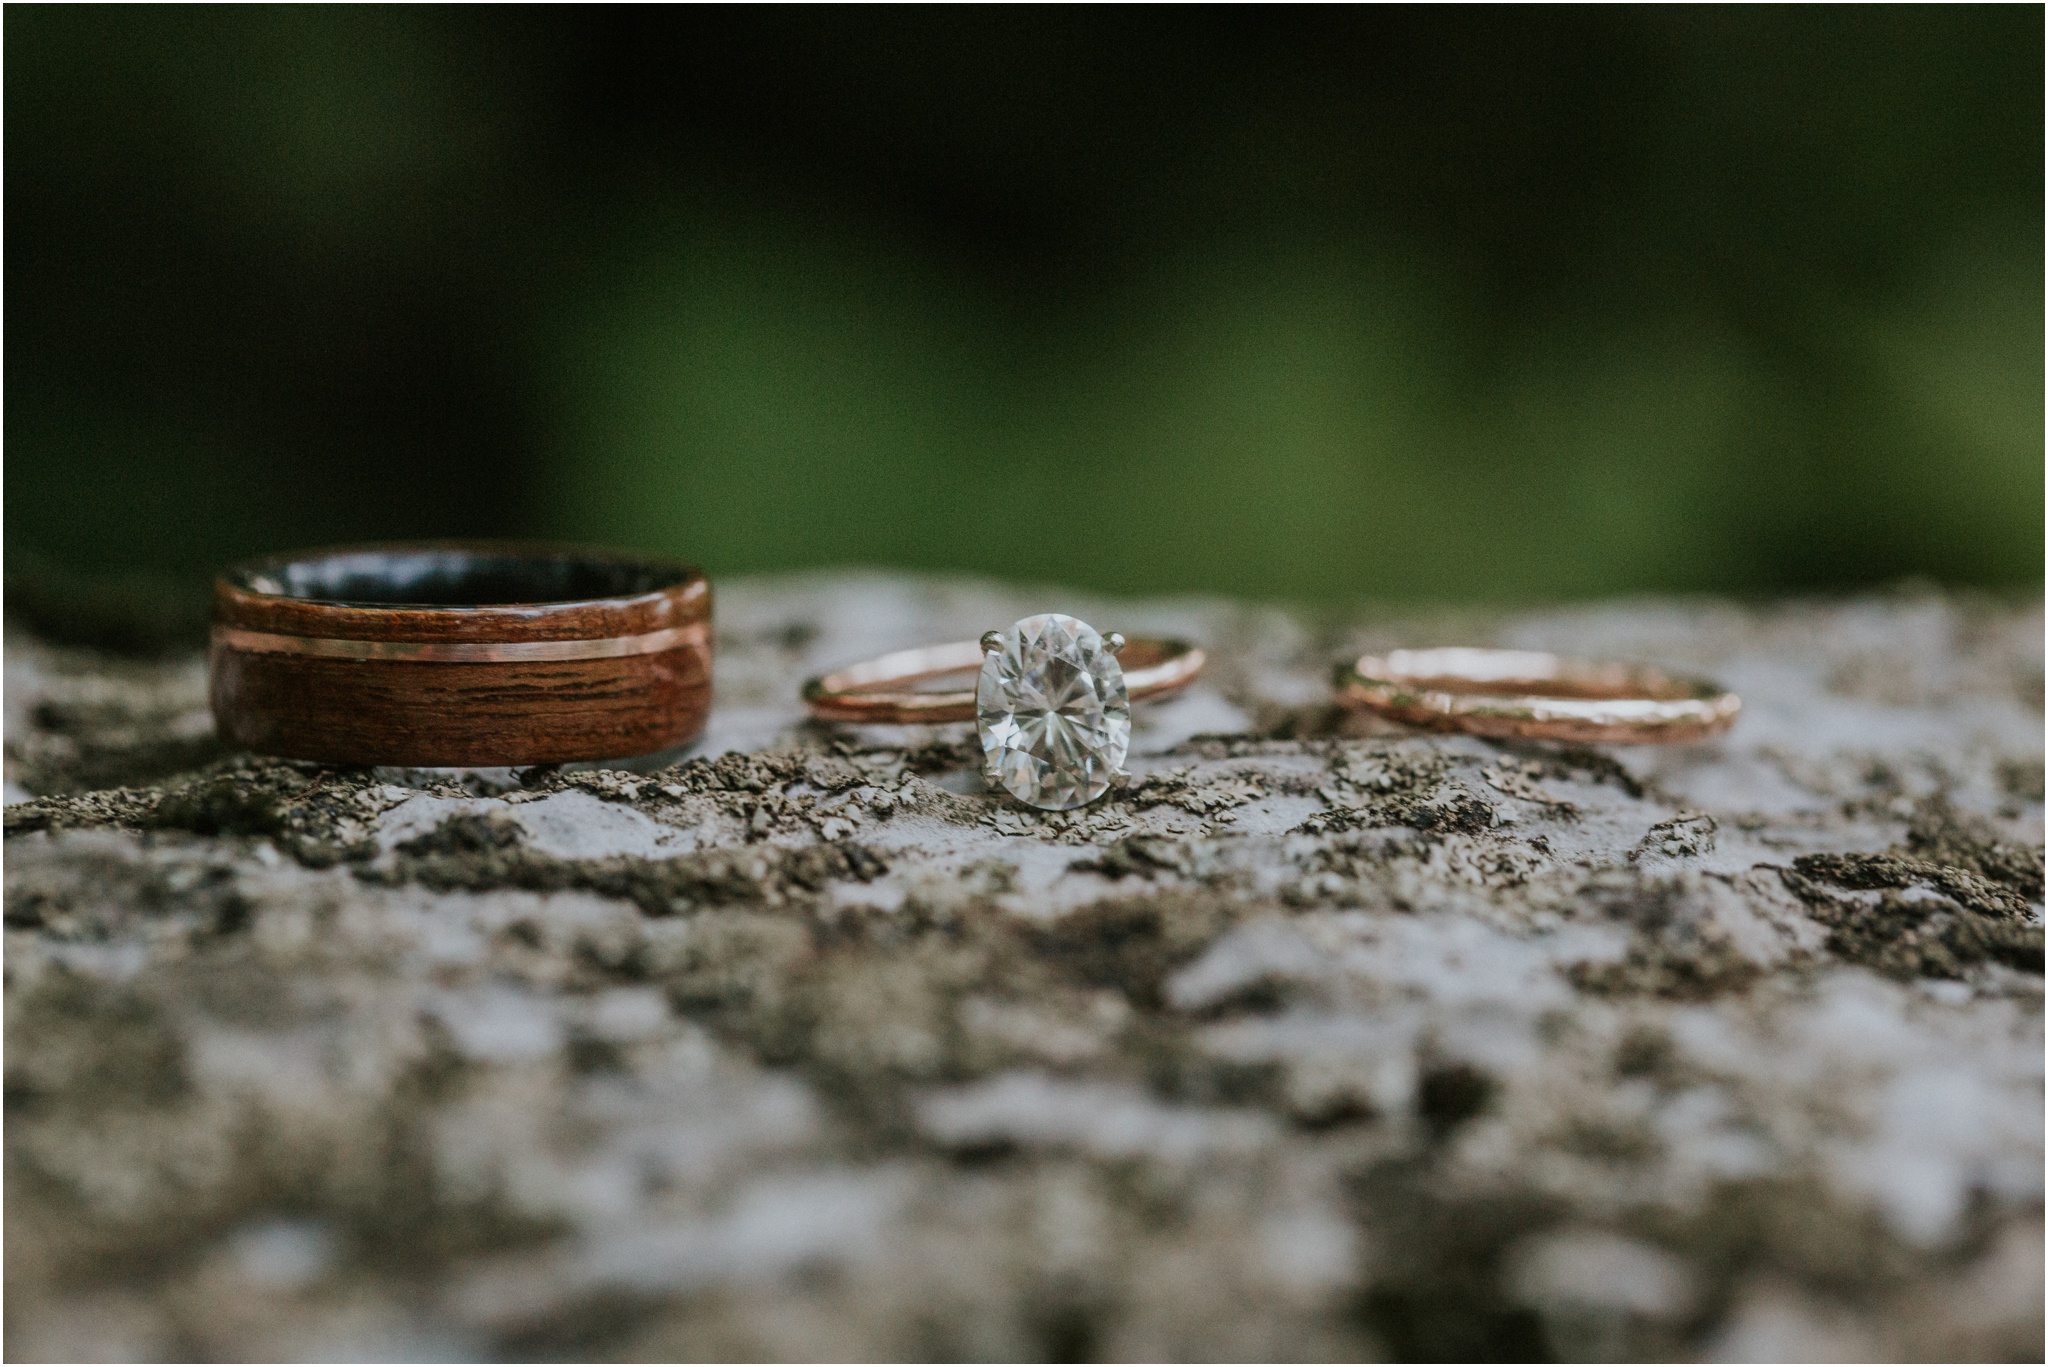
1531 694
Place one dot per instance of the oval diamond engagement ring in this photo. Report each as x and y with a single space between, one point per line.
1053 705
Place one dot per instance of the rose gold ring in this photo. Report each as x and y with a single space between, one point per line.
1535 695
879 690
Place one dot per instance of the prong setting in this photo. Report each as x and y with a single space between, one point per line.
991 642
1114 642
1120 779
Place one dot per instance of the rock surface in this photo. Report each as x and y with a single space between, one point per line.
1323 1041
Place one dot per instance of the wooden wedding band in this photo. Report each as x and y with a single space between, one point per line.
1533 694
471 653
878 690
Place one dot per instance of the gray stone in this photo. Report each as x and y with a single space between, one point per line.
1321 1041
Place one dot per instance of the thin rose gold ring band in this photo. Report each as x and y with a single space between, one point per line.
1532 694
874 691
460 652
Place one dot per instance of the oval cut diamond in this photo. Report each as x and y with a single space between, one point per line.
1054 716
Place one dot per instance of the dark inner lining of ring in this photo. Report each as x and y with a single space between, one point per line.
446 578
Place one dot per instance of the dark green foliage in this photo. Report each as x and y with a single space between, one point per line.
1473 305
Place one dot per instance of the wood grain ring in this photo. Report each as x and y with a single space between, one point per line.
460 653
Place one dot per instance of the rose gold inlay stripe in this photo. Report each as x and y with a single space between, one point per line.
461 652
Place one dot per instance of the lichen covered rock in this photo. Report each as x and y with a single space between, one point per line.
1320 1041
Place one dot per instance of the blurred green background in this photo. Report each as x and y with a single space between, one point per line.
1451 304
